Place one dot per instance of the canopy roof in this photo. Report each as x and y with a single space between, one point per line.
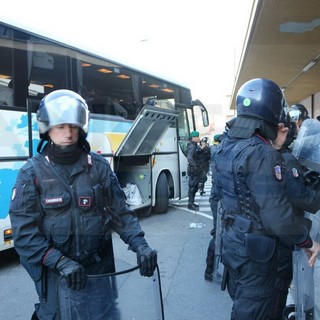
283 44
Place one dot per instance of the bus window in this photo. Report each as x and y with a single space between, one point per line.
6 72
6 92
160 91
183 129
107 88
48 69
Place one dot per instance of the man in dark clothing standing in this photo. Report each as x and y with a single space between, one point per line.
256 210
193 156
65 203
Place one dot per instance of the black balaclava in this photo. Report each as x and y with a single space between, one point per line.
64 154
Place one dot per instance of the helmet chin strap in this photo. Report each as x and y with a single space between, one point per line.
40 145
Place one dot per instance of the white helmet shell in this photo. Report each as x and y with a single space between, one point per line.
62 107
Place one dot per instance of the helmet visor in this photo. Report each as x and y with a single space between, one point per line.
294 115
306 147
63 108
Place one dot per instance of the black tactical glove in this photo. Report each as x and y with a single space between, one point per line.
312 180
73 272
147 260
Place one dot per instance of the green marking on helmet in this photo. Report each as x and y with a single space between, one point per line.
246 102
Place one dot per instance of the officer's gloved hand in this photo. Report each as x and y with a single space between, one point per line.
73 272
147 260
312 180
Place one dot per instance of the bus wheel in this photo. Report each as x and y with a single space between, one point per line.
162 194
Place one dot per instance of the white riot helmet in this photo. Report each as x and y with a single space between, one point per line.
62 107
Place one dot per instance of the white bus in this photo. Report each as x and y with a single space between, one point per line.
139 122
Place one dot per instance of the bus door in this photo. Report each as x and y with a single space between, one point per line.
146 131
188 120
133 161
184 123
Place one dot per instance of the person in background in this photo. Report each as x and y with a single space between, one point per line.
65 203
205 157
119 110
214 200
298 113
256 210
193 156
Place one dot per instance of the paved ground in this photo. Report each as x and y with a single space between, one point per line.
181 238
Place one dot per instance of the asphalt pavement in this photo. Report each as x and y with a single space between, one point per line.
181 238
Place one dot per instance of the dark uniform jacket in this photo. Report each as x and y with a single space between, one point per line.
205 157
57 212
249 175
194 158
302 198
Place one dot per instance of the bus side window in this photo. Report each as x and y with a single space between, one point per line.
101 104
6 95
119 109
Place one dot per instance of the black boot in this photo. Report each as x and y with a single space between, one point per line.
208 274
34 316
193 206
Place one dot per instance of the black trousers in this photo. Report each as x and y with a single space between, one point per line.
250 282
193 183
283 280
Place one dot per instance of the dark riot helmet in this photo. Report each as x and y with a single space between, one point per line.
62 107
261 99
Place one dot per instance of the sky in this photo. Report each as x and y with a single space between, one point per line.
196 43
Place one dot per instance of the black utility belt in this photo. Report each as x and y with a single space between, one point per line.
94 258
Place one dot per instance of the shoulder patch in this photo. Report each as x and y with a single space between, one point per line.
278 172
89 159
295 172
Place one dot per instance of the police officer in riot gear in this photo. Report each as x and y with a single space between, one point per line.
64 204
306 283
256 210
297 113
194 162
302 198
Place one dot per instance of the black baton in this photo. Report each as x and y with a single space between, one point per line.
44 285
224 279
